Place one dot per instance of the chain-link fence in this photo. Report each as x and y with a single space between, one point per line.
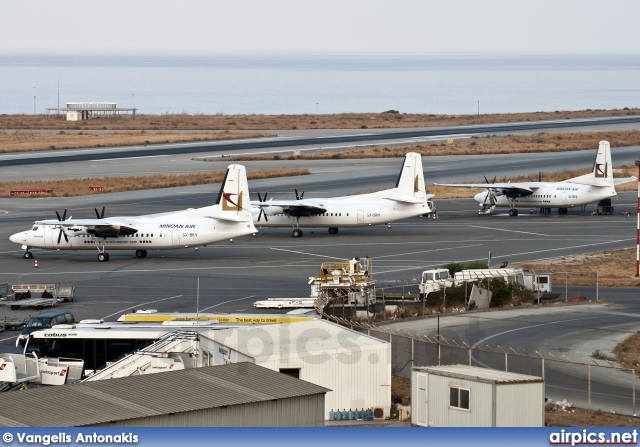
598 385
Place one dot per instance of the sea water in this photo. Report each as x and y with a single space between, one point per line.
295 84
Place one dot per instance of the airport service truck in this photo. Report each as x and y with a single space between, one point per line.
435 280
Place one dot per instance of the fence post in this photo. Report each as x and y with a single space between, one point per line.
506 361
469 356
542 368
633 393
413 362
589 387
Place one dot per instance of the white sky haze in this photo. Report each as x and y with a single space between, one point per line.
328 26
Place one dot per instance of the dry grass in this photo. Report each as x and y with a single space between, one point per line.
76 187
615 268
263 122
510 144
584 418
628 352
29 141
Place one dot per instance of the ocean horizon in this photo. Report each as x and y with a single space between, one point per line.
326 84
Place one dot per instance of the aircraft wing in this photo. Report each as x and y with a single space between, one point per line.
512 188
98 227
294 206
621 180
409 200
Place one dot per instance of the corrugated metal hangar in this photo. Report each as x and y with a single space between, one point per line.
232 395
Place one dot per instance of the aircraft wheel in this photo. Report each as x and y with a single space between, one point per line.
27 255
562 210
513 212
103 257
333 230
297 233
141 253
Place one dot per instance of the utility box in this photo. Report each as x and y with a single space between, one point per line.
470 396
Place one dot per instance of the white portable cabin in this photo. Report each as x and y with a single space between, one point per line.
470 396
355 366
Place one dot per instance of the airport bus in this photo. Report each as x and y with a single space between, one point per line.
99 342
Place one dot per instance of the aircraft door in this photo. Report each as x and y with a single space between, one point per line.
175 237
48 236
564 197
360 216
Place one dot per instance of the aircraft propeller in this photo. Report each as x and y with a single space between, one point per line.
490 196
62 233
262 213
99 215
299 197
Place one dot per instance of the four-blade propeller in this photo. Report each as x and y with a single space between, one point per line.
62 233
262 213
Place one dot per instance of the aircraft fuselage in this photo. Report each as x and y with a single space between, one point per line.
347 213
554 195
151 235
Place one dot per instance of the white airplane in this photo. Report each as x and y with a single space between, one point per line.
165 231
577 191
407 199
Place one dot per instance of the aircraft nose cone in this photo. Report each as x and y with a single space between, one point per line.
19 238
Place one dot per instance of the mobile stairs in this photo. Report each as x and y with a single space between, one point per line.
165 354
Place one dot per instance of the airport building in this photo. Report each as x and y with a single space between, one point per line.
354 366
81 111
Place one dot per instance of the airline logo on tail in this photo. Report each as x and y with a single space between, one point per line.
601 173
229 204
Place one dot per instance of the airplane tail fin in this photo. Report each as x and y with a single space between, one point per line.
602 172
410 184
233 203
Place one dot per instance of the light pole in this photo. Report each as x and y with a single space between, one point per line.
478 107
316 108
638 225
34 100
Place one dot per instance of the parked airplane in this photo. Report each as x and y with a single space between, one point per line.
407 199
165 231
588 188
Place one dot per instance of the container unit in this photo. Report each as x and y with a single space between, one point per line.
470 396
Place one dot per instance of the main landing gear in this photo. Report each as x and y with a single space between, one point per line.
333 230
297 232
103 256
513 212
141 253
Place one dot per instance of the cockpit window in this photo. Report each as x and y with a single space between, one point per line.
35 228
